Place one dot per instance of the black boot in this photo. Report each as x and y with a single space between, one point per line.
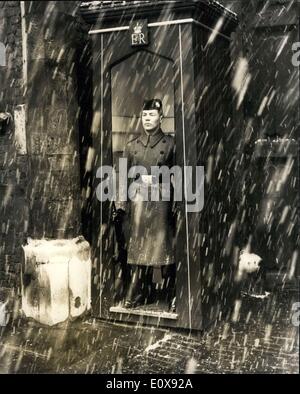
150 287
169 286
119 287
136 292
172 304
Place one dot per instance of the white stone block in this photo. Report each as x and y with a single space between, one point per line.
20 129
56 280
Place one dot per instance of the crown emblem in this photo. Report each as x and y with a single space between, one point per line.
138 28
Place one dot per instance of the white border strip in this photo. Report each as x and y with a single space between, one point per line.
185 187
157 24
101 161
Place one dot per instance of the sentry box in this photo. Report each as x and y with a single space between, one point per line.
178 52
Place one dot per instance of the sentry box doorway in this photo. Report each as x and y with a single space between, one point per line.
178 52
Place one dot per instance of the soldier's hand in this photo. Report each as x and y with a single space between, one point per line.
118 216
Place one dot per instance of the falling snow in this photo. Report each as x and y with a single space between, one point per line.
246 112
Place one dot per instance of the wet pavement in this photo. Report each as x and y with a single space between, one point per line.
258 338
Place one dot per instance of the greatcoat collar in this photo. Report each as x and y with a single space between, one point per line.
149 139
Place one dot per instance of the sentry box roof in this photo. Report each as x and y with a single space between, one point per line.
102 14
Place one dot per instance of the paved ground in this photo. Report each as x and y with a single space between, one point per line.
260 339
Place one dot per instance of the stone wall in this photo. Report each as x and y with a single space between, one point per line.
13 158
52 122
39 153
269 187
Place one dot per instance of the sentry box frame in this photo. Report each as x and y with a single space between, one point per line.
179 51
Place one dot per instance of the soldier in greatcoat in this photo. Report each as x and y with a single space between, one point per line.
150 223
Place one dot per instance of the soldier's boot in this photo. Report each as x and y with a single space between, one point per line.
121 275
119 286
136 291
150 291
169 286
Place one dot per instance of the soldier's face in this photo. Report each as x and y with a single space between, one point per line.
151 120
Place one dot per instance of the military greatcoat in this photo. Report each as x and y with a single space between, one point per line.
150 227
